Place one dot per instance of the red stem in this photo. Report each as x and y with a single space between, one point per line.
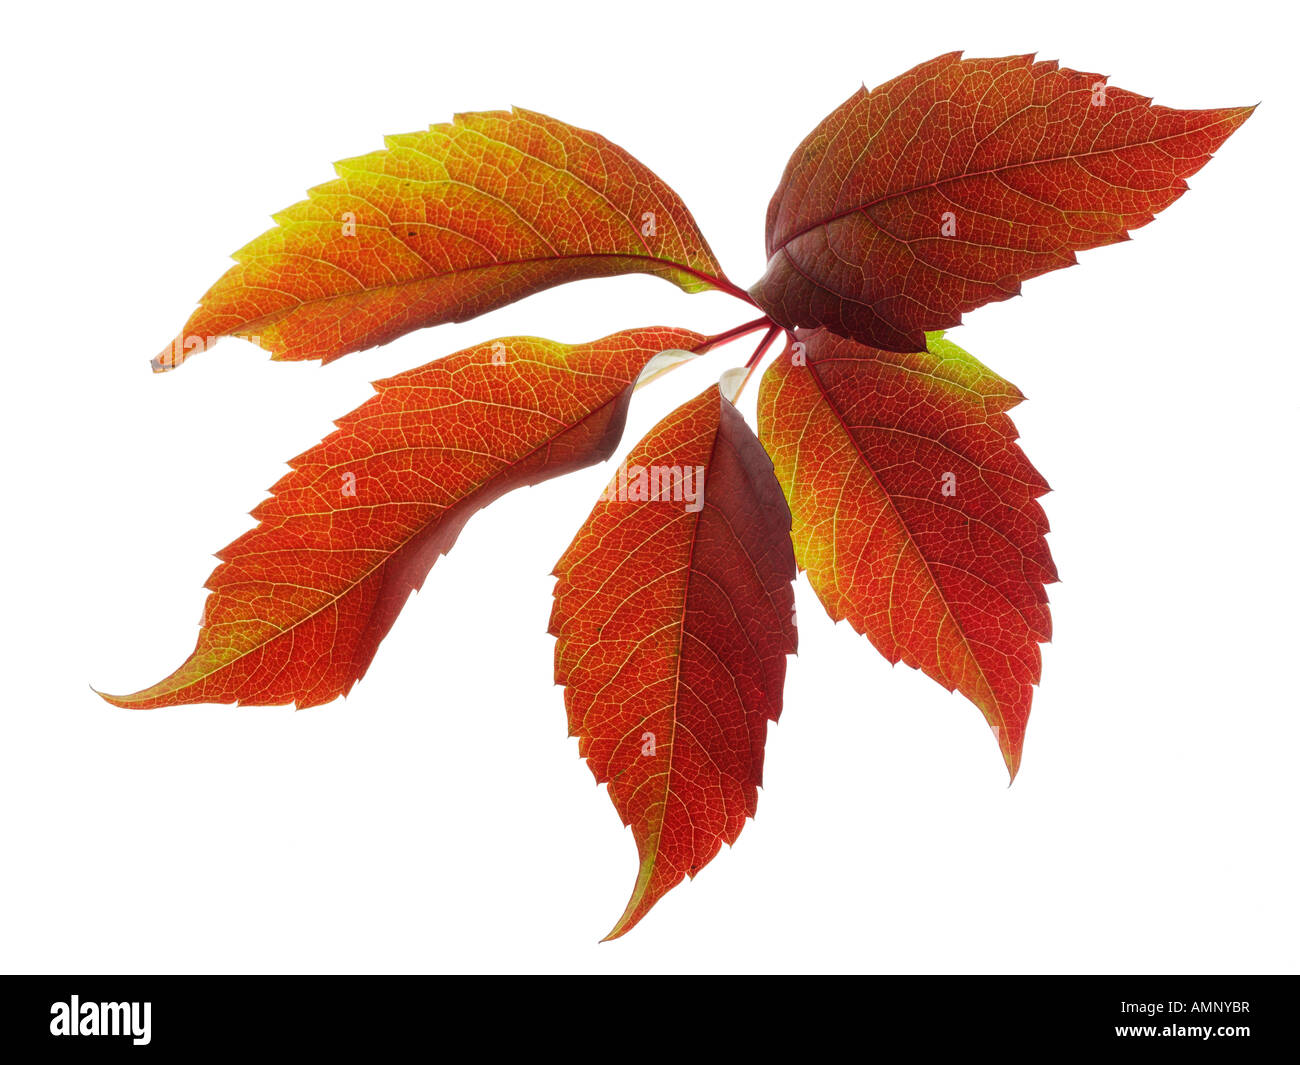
722 284
763 345
734 334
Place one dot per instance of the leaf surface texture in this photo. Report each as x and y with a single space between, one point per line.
442 226
300 603
915 512
673 623
944 189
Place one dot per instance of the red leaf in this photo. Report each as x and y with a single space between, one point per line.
673 620
445 225
300 603
944 189
915 512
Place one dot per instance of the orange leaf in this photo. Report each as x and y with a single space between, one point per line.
443 226
674 612
915 512
944 189
300 603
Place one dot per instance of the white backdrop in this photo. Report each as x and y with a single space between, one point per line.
439 818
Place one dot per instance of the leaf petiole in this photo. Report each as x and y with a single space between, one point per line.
753 362
763 345
735 333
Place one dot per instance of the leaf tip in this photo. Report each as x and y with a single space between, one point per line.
631 917
177 352
1010 754
122 702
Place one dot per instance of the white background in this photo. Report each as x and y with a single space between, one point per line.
439 818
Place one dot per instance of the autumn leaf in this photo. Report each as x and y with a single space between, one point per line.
300 603
445 225
674 612
915 513
885 464
944 189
